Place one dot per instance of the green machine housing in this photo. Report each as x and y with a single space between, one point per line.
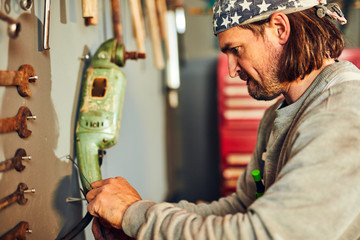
101 103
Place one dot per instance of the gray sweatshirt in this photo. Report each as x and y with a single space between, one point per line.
309 156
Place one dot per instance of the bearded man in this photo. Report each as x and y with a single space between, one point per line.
308 145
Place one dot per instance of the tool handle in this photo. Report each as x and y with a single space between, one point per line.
17 196
161 13
90 11
10 78
6 165
87 9
18 232
116 19
136 18
46 26
9 125
8 200
142 21
155 34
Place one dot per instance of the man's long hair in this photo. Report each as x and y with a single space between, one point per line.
312 39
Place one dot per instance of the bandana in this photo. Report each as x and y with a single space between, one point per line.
230 13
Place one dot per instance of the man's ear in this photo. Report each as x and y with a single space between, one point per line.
280 23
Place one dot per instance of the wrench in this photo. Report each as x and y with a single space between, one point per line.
17 123
15 162
17 196
13 25
18 232
46 24
20 78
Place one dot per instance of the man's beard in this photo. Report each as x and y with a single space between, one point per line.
270 86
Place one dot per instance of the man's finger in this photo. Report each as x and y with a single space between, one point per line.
92 194
91 209
98 183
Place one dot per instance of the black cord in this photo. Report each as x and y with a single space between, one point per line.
78 228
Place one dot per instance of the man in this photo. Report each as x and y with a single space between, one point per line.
308 146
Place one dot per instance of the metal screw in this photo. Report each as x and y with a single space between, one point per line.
26 158
72 199
29 190
85 57
33 78
31 117
13 29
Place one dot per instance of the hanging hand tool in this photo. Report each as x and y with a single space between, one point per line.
20 79
175 24
142 20
46 25
116 20
161 10
17 123
137 18
17 196
15 162
18 232
13 25
155 34
90 11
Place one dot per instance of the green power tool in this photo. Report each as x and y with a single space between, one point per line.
99 116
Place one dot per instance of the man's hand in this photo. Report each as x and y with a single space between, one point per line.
110 233
109 199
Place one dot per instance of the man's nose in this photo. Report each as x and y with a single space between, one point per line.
233 66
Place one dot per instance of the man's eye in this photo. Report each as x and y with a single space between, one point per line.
235 50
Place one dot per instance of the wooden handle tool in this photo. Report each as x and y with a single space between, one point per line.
90 11
155 34
161 10
137 17
116 19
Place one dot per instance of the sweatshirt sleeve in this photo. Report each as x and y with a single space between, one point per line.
146 219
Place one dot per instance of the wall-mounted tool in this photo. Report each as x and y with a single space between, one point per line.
17 123
13 25
176 24
18 232
155 34
25 4
90 11
138 21
46 25
101 105
161 10
98 123
17 196
20 79
15 162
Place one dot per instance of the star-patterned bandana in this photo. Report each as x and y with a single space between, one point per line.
230 13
